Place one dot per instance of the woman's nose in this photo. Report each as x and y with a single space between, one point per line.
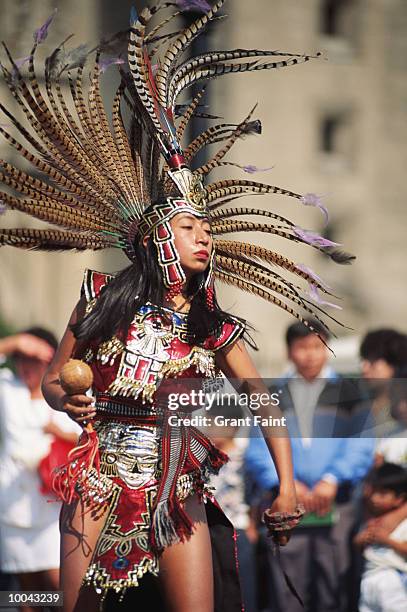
202 237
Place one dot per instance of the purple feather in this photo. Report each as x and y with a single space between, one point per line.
21 61
313 238
314 295
253 169
18 63
41 34
313 275
109 61
200 6
312 199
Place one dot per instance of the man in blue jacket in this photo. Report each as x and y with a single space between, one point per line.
325 418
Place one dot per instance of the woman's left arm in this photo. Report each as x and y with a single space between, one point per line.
236 363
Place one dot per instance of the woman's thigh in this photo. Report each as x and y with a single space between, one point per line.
186 573
79 533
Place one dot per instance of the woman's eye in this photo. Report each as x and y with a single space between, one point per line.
186 226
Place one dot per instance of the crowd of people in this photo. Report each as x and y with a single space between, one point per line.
344 432
349 448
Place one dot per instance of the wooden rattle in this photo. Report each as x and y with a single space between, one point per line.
76 377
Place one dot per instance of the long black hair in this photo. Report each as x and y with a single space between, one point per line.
142 282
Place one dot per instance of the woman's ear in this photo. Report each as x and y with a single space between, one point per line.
145 240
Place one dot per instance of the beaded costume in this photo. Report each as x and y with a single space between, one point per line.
108 186
141 457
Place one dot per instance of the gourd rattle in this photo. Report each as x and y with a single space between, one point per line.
76 377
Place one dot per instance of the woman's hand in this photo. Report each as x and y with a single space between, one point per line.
79 408
284 503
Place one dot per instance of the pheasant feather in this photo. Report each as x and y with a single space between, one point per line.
91 172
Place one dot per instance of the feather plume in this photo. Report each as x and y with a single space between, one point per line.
52 240
94 176
263 277
247 286
41 34
256 252
179 46
189 113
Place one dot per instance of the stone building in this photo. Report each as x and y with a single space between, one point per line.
335 126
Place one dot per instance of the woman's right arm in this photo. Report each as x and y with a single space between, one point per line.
78 407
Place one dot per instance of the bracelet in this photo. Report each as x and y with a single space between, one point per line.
281 521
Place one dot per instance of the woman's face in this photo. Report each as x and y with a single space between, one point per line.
193 241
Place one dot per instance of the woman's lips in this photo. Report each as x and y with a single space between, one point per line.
202 254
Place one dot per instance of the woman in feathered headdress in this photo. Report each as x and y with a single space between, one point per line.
135 484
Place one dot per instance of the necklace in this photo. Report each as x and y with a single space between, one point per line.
187 300
184 303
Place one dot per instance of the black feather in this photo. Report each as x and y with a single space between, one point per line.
252 127
341 257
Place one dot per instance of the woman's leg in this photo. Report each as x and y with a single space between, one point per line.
50 580
30 581
79 534
44 580
186 573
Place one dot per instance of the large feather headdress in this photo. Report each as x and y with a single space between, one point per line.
102 183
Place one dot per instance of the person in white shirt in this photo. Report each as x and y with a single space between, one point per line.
29 524
384 579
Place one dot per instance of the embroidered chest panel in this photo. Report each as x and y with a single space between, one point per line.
156 347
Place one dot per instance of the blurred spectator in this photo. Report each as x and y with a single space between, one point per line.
230 492
393 449
29 529
316 403
383 353
384 580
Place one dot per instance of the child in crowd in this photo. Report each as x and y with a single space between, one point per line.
384 579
